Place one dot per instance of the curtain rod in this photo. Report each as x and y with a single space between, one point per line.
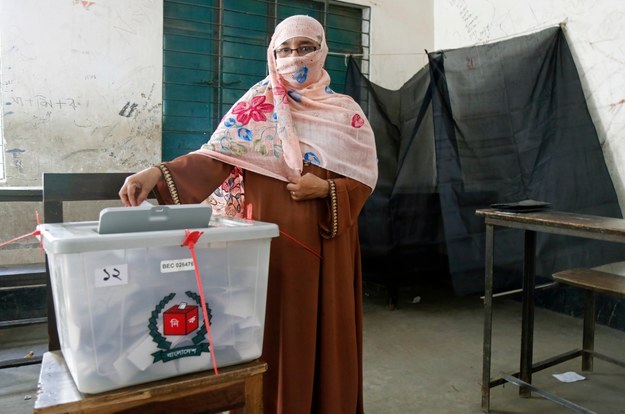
346 55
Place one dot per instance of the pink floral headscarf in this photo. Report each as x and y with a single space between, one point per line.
293 116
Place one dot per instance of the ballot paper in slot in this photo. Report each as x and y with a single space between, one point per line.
128 307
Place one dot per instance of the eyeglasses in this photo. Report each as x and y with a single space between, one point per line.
301 51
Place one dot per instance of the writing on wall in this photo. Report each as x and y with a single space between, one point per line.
43 102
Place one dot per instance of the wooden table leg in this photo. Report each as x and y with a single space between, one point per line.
254 395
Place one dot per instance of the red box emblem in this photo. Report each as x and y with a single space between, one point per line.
180 319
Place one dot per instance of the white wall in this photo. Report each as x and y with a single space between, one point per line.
401 31
594 33
72 72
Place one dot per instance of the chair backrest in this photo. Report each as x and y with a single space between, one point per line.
60 187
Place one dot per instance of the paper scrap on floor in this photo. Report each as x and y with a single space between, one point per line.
569 377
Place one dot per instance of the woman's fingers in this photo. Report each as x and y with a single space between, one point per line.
128 192
137 186
306 187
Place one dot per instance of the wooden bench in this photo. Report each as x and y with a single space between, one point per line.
17 278
237 387
592 281
21 276
18 281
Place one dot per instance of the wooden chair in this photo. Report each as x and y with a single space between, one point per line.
236 387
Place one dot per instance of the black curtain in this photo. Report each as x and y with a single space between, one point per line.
501 122
401 229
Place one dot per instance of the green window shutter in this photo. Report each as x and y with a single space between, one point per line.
214 51
190 75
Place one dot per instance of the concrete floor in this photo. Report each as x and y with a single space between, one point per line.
424 357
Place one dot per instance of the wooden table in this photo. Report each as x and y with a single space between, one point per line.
236 387
555 222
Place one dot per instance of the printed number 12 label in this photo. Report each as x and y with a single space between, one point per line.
112 275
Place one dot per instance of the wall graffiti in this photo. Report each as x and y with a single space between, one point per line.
128 109
43 102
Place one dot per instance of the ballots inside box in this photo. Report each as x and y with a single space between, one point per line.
154 218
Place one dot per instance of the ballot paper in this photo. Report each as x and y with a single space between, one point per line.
569 376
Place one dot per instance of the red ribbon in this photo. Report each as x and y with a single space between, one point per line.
248 209
34 233
189 241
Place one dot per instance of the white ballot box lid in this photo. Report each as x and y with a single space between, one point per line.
149 227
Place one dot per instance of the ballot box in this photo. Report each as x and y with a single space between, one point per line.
128 307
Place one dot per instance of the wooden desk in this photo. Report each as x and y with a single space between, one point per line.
236 387
556 222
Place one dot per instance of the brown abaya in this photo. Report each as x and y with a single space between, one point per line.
313 322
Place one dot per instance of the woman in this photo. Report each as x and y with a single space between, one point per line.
308 161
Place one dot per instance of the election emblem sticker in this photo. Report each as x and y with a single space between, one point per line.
179 319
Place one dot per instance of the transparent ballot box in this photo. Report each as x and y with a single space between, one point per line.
128 307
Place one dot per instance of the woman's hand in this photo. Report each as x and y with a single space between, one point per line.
137 187
307 187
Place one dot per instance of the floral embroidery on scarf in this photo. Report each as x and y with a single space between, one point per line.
281 92
312 158
329 90
254 110
278 150
357 121
229 198
245 134
262 138
228 147
301 74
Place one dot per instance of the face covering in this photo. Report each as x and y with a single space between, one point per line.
298 72
301 71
